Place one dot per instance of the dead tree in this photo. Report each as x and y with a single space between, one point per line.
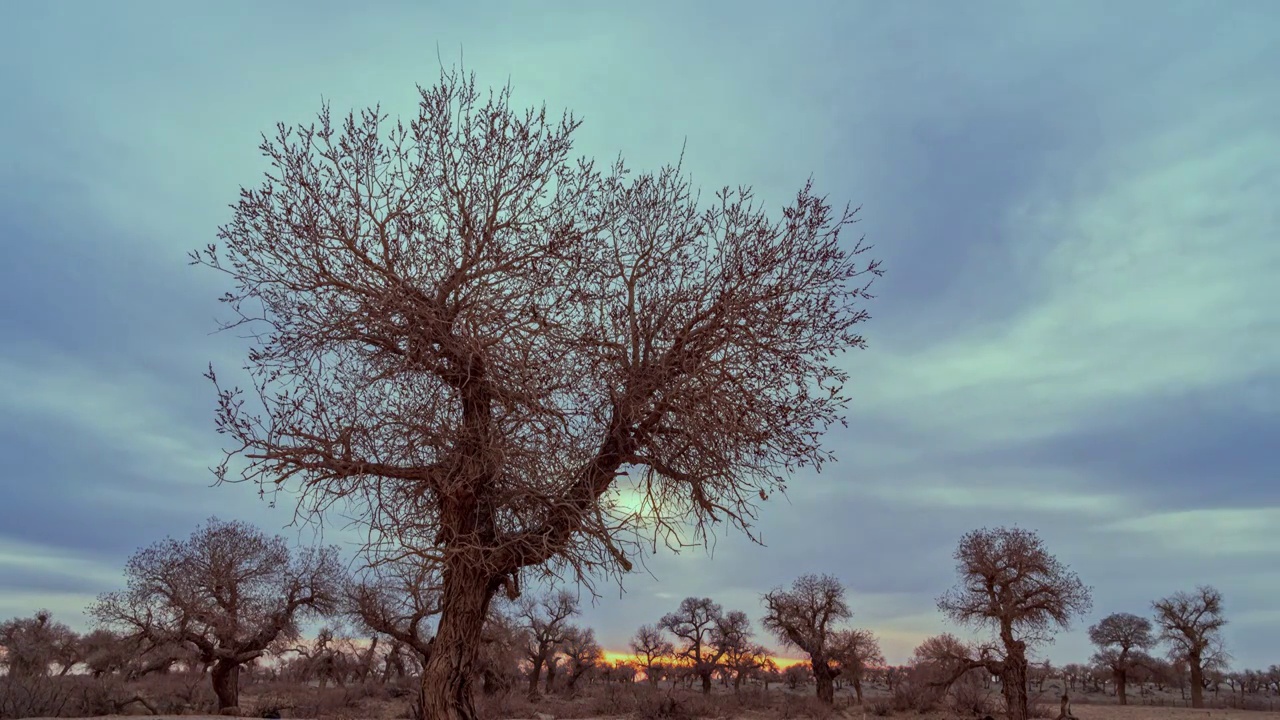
227 592
546 620
1012 585
31 645
742 655
476 340
1192 623
650 648
697 626
855 651
804 617
397 599
1122 639
583 654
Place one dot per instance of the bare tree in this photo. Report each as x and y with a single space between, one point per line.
31 645
1012 585
397 599
475 341
1122 639
228 592
1192 623
546 620
650 647
804 618
698 625
742 655
856 651
583 653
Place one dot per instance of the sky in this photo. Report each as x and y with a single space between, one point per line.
1075 204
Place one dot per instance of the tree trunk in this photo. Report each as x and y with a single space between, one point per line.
447 675
1013 686
706 682
535 674
823 679
857 688
1197 681
1121 682
226 683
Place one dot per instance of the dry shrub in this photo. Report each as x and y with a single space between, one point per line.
177 693
67 696
968 698
881 708
806 706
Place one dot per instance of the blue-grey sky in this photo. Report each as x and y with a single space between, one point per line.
1076 203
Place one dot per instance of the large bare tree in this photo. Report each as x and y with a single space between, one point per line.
805 618
228 592
508 359
1122 639
1192 623
1010 584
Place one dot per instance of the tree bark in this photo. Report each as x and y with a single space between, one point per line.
706 682
1121 682
857 688
1013 686
226 683
1197 680
447 692
535 674
823 679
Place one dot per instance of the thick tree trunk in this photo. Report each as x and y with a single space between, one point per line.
1013 685
1197 681
535 674
857 688
823 679
1121 682
447 691
226 683
706 682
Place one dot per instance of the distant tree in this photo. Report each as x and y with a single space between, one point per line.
698 625
742 655
797 676
31 645
545 619
582 653
399 599
1192 623
473 335
1012 585
650 648
804 617
1122 639
502 647
855 651
228 592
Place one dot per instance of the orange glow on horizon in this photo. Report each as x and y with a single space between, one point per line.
614 656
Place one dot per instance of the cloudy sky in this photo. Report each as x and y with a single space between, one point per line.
1076 204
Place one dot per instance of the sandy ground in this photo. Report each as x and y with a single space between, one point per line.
1084 712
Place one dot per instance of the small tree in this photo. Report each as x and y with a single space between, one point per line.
228 592
855 651
582 652
1192 623
742 656
804 618
1122 639
1012 585
397 599
478 339
31 645
704 636
650 648
545 619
